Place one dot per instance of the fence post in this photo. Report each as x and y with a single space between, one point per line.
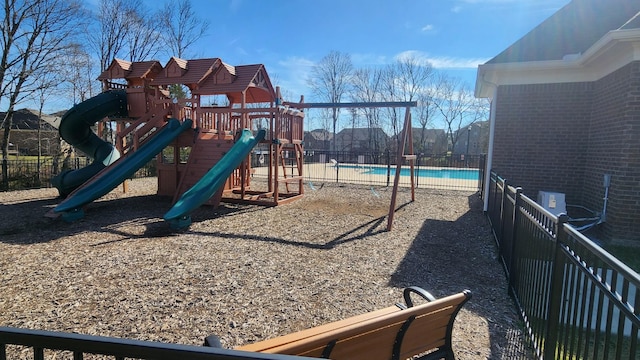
512 257
481 173
555 293
504 199
495 191
417 173
388 167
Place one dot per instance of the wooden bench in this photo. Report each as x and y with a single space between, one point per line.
395 332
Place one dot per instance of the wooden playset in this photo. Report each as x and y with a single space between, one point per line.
252 103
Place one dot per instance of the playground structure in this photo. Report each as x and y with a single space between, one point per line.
141 106
202 149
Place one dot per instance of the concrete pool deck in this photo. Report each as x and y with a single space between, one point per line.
352 174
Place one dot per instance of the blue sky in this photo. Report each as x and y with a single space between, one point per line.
289 36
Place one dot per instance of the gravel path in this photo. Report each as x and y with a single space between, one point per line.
248 273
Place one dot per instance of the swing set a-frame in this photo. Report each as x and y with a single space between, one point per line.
405 145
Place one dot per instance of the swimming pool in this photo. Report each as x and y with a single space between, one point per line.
441 173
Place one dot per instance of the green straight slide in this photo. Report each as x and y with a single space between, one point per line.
121 170
179 216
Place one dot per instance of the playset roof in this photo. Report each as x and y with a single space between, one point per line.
122 69
208 76
250 78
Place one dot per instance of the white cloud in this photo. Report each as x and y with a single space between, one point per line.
291 75
456 9
428 28
442 62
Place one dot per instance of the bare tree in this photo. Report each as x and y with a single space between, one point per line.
113 21
143 39
366 87
456 106
405 80
181 27
329 81
47 82
425 113
78 74
33 34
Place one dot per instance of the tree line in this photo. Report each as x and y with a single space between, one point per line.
441 98
59 47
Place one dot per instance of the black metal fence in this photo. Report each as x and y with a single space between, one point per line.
577 300
67 345
27 174
454 172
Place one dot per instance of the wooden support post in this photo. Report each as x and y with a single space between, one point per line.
244 124
396 180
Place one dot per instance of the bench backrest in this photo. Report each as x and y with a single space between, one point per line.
387 333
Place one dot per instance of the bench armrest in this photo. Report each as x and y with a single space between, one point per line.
417 290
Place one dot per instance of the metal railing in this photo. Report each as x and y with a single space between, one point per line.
452 172
78 345
25 174
577 300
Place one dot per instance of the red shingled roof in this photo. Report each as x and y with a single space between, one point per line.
252 78
131 70
195 71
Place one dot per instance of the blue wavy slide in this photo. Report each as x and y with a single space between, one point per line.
179 216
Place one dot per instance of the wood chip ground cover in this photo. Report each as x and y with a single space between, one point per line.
247 273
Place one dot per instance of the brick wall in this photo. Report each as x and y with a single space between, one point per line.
539 138
565 137
614 149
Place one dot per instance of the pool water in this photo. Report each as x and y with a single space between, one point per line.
442 173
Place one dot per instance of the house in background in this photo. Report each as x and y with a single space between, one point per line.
318 139
362 139
429 141
24 133
565 111
473 139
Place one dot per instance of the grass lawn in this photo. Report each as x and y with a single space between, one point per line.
630 255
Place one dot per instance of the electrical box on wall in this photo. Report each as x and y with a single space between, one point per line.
553 202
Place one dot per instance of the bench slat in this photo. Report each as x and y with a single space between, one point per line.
264 346
372 335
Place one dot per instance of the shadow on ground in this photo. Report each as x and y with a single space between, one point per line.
447 257
110 216
105 216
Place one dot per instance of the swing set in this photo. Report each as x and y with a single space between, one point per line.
405 147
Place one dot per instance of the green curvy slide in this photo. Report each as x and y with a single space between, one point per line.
179 216
75 129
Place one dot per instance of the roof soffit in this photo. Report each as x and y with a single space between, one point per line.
613 51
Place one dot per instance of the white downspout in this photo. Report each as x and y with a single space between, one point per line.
489 162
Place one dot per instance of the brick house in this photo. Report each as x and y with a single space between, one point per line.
473 139
318 139
566 110
361 139
429 141
24 133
